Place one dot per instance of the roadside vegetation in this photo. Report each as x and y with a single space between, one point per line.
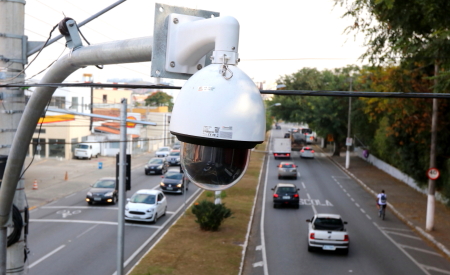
407 54
186 249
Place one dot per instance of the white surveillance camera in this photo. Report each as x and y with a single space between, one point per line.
219 116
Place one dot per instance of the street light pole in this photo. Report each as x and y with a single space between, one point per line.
347 156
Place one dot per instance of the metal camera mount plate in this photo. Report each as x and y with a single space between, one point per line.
162 13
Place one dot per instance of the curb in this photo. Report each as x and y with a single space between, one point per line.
422 232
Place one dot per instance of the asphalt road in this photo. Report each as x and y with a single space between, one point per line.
69 237
376 246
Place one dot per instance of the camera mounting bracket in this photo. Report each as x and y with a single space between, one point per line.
160 37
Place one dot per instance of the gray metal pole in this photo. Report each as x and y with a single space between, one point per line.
13 44
116 52
347 156
431 183
122 195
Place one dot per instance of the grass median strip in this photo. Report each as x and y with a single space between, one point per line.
186 249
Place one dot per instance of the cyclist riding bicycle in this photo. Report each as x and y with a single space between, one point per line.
381 200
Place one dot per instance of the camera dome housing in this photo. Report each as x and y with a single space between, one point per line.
219 115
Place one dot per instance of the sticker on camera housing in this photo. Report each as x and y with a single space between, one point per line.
205 88
225 132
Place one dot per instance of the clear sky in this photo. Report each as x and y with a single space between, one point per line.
295 33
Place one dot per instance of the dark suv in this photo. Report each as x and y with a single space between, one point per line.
286 194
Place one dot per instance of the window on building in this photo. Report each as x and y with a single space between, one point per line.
74 143
39 150
105 98
37 131
56 148
114 145
58 101
74 105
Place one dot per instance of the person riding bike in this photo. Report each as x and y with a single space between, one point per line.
381 200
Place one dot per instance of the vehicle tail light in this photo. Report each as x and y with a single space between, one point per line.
346 239
275 195
288 154
312 151
302 151
312 236
275 154
296 196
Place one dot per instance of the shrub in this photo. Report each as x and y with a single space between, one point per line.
210 215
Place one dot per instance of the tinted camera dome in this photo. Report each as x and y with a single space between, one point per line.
214 168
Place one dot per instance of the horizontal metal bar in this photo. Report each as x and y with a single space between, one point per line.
100 116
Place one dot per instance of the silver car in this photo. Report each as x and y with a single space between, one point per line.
307 152
287 169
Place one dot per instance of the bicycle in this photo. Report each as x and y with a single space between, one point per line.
382 211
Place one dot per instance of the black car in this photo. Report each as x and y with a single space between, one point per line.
286 194
154 166
173 181
103 191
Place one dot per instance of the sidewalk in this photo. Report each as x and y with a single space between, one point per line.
50 175
408 204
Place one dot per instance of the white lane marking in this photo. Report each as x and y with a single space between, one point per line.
303 184
53 202
352 199
79 207
261 226
362 210
90 222
259 247
73 194
398 229
403 250
258 264
344 190
357 205
312 205
137 251
46 256
403 235
348 194
435 269
368 217
86 231
421 250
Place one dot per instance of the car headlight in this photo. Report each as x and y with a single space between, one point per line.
150 210
159 167
89 194
126 207
146 166
162 184
109 194
179 185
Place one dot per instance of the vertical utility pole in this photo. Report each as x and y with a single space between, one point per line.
122 163
13 57
347 156
431 183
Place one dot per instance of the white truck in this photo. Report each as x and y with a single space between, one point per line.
281 148
87 150
327 232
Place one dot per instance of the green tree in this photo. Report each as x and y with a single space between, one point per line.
158 99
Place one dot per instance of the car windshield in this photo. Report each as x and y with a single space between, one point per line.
328 223
163 149
105 184
285 190
83 146
288 165
173 175
155 161
174 154
143 198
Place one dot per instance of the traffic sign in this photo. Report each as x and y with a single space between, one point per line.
433 173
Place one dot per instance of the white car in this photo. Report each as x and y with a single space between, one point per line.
327 232
162 152
173 158
307 152
146 205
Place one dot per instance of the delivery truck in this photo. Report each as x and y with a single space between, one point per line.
281 148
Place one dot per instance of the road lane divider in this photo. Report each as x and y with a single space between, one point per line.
46 256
